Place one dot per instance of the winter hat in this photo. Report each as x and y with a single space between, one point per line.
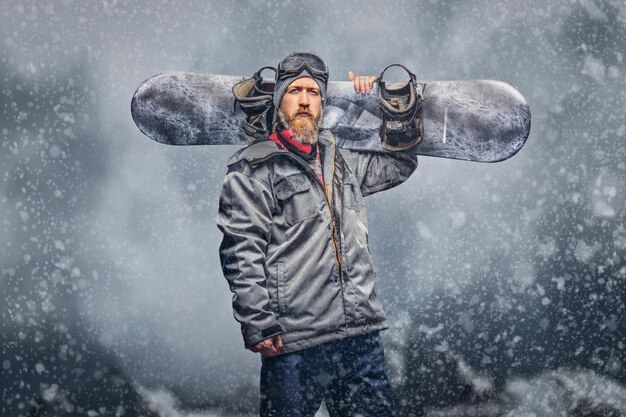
298 65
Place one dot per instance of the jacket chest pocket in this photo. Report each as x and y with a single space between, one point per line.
296 198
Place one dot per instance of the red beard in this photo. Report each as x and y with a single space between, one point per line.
304 126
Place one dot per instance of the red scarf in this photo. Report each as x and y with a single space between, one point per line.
302 147
288 136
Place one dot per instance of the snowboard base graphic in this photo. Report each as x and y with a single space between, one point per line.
481 120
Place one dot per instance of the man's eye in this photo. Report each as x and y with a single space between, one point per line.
314 92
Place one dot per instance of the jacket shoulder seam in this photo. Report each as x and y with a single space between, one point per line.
260 181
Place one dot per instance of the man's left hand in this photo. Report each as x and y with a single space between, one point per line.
363 83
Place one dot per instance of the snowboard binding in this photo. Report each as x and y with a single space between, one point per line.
254 97
401 105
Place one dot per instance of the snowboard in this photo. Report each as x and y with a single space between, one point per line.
479 120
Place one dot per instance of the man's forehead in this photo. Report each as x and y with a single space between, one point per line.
305 82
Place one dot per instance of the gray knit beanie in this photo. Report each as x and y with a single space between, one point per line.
294 61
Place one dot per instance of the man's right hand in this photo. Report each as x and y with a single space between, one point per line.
269 347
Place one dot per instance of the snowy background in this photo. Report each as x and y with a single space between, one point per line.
505 283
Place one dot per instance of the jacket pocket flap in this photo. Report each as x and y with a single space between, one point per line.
293 184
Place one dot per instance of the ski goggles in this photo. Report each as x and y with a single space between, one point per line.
314 65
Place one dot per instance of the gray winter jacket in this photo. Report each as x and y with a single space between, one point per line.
295 254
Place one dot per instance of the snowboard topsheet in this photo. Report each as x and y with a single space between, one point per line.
483 120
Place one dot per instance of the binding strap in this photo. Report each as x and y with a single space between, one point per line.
401 104
255 98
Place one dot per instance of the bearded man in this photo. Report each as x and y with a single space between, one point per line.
296 257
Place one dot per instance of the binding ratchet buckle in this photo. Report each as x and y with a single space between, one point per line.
401 105
254 97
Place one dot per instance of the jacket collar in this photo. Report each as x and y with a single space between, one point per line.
264 148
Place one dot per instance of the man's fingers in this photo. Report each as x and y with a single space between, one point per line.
259 347
269 347
356 80
269 351
363 83
365 88
278 342
371 81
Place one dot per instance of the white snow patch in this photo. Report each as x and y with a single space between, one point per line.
594 68
40 368
457 217
547 249
560 283
424 231
164 403
565 393
524 276
602 208
584 252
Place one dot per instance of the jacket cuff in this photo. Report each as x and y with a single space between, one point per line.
262 335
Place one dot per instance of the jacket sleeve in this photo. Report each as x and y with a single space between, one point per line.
245 217
378 171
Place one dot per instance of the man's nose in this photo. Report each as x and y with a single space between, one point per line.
303 99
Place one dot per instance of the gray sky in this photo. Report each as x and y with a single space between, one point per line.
120 230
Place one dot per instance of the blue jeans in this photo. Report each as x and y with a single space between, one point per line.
350 374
